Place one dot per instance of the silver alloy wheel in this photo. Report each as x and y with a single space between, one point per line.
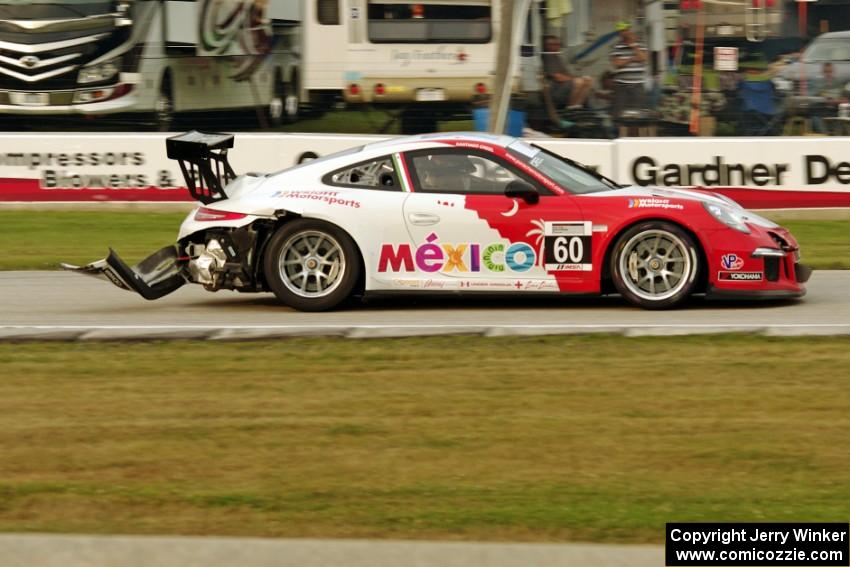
163 110
276 108
291 105
311 264
656 265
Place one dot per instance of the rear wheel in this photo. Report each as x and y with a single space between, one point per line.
655 265
274 111
311 265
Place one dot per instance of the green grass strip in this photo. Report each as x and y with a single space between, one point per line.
549 439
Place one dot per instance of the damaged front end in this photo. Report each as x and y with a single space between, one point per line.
226 258
156 276
220 258
217 259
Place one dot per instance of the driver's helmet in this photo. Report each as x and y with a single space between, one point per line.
446 168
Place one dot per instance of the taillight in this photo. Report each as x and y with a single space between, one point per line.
380 89
354 89
480 88
203 214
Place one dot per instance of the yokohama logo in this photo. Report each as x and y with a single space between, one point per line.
740 276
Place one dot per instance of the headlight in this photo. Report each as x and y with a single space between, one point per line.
728 200
92 95
99 72
729 216
752 218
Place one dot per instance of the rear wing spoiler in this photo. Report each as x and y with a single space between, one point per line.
203 161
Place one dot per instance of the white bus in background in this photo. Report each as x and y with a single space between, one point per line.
150 58
428 59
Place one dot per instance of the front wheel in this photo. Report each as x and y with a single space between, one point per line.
284 105
291 101
311 265
163 108
655 265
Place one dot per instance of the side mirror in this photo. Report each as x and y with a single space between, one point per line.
522 190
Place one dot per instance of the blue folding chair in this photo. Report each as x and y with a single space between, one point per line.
760 114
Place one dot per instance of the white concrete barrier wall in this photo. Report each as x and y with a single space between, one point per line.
813 164
133 167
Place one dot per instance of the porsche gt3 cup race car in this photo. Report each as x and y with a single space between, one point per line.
455 212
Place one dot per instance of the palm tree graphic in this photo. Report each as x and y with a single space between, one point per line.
540 238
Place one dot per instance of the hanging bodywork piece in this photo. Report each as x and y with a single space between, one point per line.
203 161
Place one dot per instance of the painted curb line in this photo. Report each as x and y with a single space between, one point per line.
265 332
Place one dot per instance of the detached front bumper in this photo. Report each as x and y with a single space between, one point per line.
156 276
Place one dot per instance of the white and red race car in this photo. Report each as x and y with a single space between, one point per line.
455 212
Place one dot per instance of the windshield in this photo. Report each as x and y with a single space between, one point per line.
52 3
567 173
828 50
449 22
61 9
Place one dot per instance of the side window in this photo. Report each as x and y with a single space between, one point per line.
374 174
328 12
453 171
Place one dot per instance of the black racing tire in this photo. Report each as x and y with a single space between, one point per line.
290 254
291 101
655 265
273 112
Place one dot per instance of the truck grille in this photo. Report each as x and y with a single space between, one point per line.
37 59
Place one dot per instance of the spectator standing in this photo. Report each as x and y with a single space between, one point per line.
566 90
628 57
828 86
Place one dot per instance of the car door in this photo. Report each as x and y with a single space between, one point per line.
466 233
366 200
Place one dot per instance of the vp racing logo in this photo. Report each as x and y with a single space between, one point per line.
235 25
731 262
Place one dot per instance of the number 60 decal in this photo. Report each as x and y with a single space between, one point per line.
569 249
568 246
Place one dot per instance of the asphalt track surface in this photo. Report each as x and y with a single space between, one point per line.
54 304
